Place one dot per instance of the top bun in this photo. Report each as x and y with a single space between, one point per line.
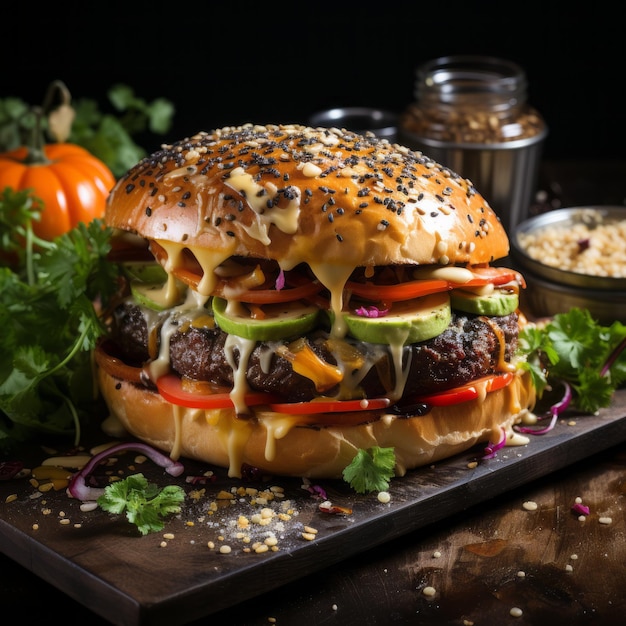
296 194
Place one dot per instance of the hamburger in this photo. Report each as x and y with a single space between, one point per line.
294 295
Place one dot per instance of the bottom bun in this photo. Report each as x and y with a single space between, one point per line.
285 445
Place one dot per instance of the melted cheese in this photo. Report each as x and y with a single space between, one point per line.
263 200
235 434
244 348
334 278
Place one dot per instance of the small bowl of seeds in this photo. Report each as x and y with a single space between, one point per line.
574 257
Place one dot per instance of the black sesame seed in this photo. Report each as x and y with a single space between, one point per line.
339 237
230 233
148 211
129 187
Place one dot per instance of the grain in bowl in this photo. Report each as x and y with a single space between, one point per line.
574 258
591 243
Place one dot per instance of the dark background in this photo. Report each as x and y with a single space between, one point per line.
232 62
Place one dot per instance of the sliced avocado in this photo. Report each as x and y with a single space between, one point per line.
407 322
281 320
497 303
147 272
154 296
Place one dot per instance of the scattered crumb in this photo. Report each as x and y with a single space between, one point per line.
472 464
605 520
516 612
429 591
530 506
436 554
384 497
521 574
569 568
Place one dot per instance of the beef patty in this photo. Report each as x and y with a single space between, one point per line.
468 349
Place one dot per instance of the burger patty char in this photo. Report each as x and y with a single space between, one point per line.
468 349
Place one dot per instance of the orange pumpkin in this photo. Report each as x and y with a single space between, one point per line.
71 183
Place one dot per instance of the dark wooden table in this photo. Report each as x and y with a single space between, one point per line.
473 561
481 563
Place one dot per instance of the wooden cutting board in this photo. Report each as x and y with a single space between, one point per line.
180 574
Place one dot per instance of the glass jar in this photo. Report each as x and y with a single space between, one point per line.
471 115
472 100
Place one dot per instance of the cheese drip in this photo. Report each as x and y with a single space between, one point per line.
191 309
263 200
244 348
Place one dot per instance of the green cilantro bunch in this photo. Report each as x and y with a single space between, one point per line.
51 295
574 348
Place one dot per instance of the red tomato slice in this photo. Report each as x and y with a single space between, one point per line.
467 392
402 291
269 296
418 288
171 389
330 406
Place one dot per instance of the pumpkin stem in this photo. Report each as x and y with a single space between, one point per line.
59 122
60 119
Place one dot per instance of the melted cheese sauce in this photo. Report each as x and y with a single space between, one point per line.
263 200
235 433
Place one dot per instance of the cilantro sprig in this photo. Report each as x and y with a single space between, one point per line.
144 504
574 349
371 469
51 294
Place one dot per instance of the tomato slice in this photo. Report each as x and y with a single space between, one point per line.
269 296
170 387
424 287
467 392
330 406
393 293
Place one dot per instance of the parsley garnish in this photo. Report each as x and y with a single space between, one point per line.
51 294
144 503
371 469
575 349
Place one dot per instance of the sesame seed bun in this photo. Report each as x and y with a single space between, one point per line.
287 192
